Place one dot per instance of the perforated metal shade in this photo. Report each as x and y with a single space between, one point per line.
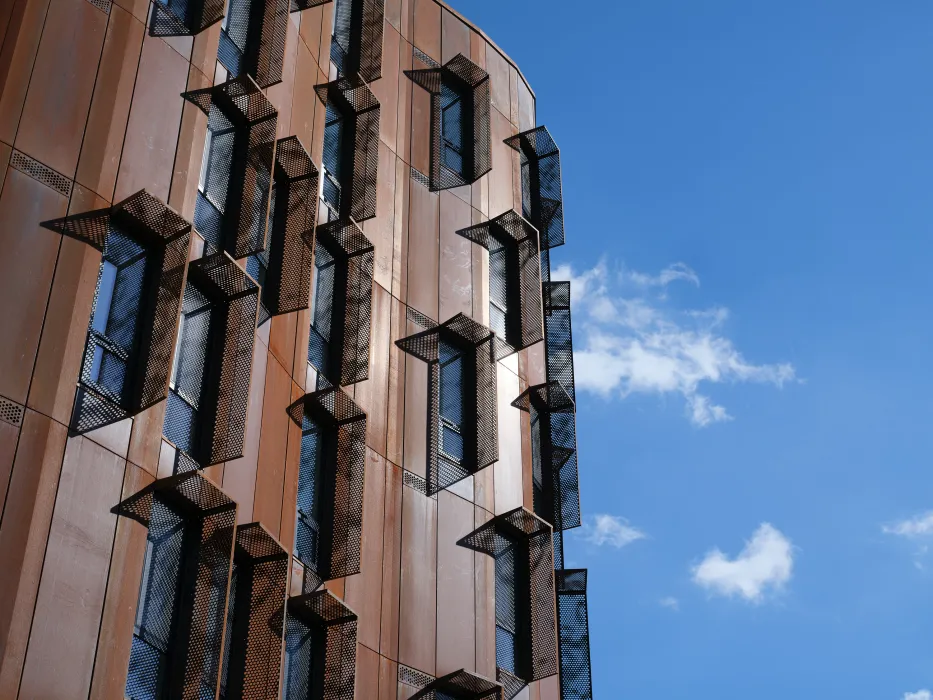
524 325
460 685
576 681
184 17
253 41
471 83
149 316
542 200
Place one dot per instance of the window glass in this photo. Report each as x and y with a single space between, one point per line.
322 306
451 403
332 162
307 540
452 129
506 618
498 287
217 161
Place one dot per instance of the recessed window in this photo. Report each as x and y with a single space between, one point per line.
451 361
332 184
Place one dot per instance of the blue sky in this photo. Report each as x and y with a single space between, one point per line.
747 188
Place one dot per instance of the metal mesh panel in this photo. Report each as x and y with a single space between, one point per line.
576 681
253 42
356 48
291 229
460 685
521 534
299 5
523 293
353 99
553 419
463 79
542 202
480 349
178 635
126 363
243 195
333 551
350 309
558 338
511 685
184 17
320 648
258 589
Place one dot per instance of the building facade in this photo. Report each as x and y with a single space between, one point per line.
286 391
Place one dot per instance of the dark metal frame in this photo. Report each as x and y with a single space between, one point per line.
253 42
472 83
240 229
187 511
254 631
327 667
541 184
164 235
538 617
524 320
482 350
576 682
341 520
460 685
347 347
233 299
356 103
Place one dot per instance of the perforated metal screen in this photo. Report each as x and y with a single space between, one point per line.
254 632
320 648
253 40
328 539
576 681
460 110
180 613
542 201
184 17
523 323
128 348
460 685
480 349
232 206
558 337
353 99
522 541
356 47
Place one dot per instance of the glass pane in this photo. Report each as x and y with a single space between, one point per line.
451 443
105 284
497 320
505 649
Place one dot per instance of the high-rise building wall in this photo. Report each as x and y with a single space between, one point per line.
286 393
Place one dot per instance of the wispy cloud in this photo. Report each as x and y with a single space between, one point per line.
912 527
766 563
612 530
670 602
630 342
919 695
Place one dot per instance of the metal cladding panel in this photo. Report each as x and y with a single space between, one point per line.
483 350
463 76
460 685
184 17
497 538
176 649
291 236
148 242
541 183
241 106
524 285
253 647
321 643
352 303
332 411
576 682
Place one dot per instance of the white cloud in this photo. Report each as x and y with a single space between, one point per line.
767 561
628 342
912 527
670 602
610 529
919 695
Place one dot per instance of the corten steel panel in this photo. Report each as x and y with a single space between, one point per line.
484 569
258 588
400 233
388 679
74 575
204 50
146 438
419 131
423 251
56 107
367 671
315 622
17 57
282 332
185 511
391 563
164 235
148 156
427 27
576 682
292 474
480 278
192 133
270 476
455 283
418 586
26 270
456 623
371 394
304 99
523 287
455 36
364 591
341 492
9 435
508 470
24 533
386 89
116 626
498 69
404 112
501 197
380 230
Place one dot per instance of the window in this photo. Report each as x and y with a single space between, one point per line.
252 40
322 308
541 184
451 411
331 183
184 17
183 587
508 656
144 247
356 38
499 279
310 486
460 147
